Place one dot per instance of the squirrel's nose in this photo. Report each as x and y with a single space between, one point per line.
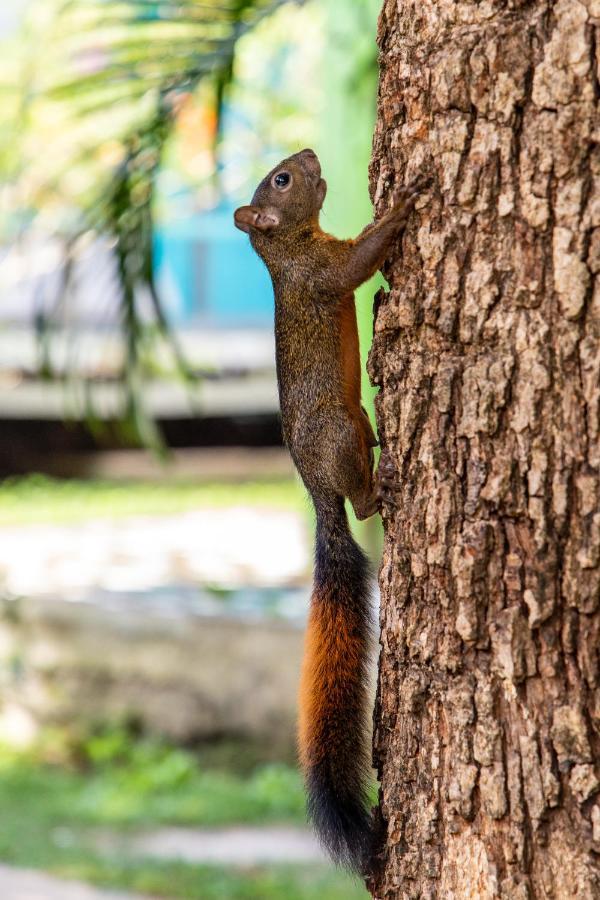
310 161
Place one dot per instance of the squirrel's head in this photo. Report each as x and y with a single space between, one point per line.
290 195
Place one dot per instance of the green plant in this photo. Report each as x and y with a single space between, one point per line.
112 781
38 499
99 84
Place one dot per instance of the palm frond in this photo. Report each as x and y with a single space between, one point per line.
111 74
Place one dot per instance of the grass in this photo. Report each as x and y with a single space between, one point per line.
37 499
111 782
53 800
177 880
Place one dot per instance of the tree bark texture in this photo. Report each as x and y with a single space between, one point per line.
487 354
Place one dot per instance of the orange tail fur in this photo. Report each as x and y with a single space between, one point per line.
333 692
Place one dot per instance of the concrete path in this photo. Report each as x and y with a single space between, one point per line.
240 846
238 545
26 884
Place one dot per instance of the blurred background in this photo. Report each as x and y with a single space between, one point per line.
155 544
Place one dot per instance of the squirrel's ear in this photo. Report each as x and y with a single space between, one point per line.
247 217
321 191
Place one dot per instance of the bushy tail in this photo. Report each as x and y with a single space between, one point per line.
334 693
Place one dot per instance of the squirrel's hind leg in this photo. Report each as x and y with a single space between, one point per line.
335 458
360 487
366 506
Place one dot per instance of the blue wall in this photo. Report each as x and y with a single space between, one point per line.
208 274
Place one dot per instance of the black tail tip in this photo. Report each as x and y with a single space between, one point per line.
342 822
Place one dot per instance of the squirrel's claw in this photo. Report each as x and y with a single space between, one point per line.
387 482
406 197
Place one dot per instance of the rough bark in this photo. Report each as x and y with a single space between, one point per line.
487 353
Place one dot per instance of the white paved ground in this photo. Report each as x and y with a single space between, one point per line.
239 846
26 884
238 546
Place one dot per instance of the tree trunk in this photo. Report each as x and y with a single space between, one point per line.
487 353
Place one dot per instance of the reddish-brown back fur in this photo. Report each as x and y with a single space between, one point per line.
350 369
349 352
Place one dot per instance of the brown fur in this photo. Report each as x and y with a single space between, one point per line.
330 439
350 358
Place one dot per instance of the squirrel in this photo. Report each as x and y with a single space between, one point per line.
330 439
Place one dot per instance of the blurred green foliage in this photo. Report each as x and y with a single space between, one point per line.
98 84
125 98
111 781
37 499
89 96
112 778
180 881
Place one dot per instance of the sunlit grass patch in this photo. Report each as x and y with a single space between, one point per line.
115 782
40 499
192 882
143 783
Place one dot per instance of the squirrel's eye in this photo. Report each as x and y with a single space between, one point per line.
282 179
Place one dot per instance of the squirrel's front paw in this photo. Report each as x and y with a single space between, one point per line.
405 198
387 480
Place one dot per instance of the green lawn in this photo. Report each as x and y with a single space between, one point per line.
53 800
51 811
176 880
37 498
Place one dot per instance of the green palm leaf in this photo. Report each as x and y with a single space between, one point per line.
107 73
